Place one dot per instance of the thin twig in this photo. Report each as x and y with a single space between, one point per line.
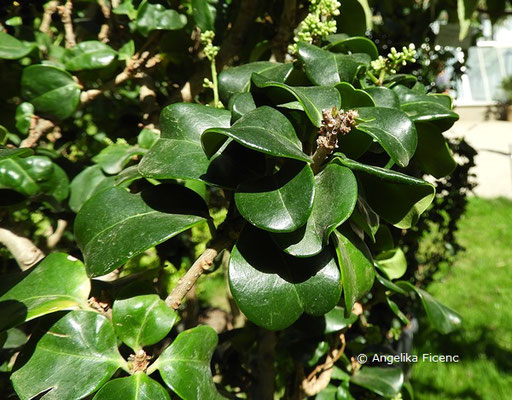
65 15
38 127
22 249
54 237
106 27
49 9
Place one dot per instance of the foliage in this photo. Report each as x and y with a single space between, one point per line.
298 171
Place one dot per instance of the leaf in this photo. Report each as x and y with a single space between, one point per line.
352 97
394 131
273 289
11 153
58 282
142 320
324 68
240 104
87 183
335 199
313 99
89 55
393 263
398 198
12 48
152 17
114 225
126 8
204 14
34 175
23 117
433 154
135 387
238 79
383 97
264 129
126 51
335 320
383 381
442 318
341 43
51 90
114 158
355 17
465 11
394 307
72 360
357 271
185 364
147 138
281 202
365 218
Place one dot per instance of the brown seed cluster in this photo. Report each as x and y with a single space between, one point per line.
334 123
138 362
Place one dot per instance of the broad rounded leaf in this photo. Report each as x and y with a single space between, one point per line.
240 104
185 364
238 79
12 48
273 288
89 55
433 154
86 184
281 202
152 17
393 263
72 360
204 13
342 43
383 97
313 99
135 387
352 97
142 320
383 381
335 320
264 129
394 131
50 90
398 198
24 114
114 225
441 317
335 199
114 158
324 68
58 282
357 271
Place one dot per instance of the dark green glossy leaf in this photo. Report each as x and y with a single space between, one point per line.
389 285
394 131
264 129
238 79
24 113
127 176
204 14
89 55
72 360
50 90
34 175
135 387
365 218
352 97
394 307
383 381
185 364
114 158
324 68
383 97
433 155
281 202
114 225
152 17
10 153
335 199
357 271
398 198
86 184
12 48
313 99
58 282
442 318
392 262
147 138
240 104
273 289
342 43
335 320
142 320
355 17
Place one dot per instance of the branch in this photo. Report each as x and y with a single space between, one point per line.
203 263
22 249
38 127
54 237
49 9
285 30
65 15
107 25
147 98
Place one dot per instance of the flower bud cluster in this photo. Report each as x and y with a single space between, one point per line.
395 59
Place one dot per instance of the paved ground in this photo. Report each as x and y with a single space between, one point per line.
493 141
